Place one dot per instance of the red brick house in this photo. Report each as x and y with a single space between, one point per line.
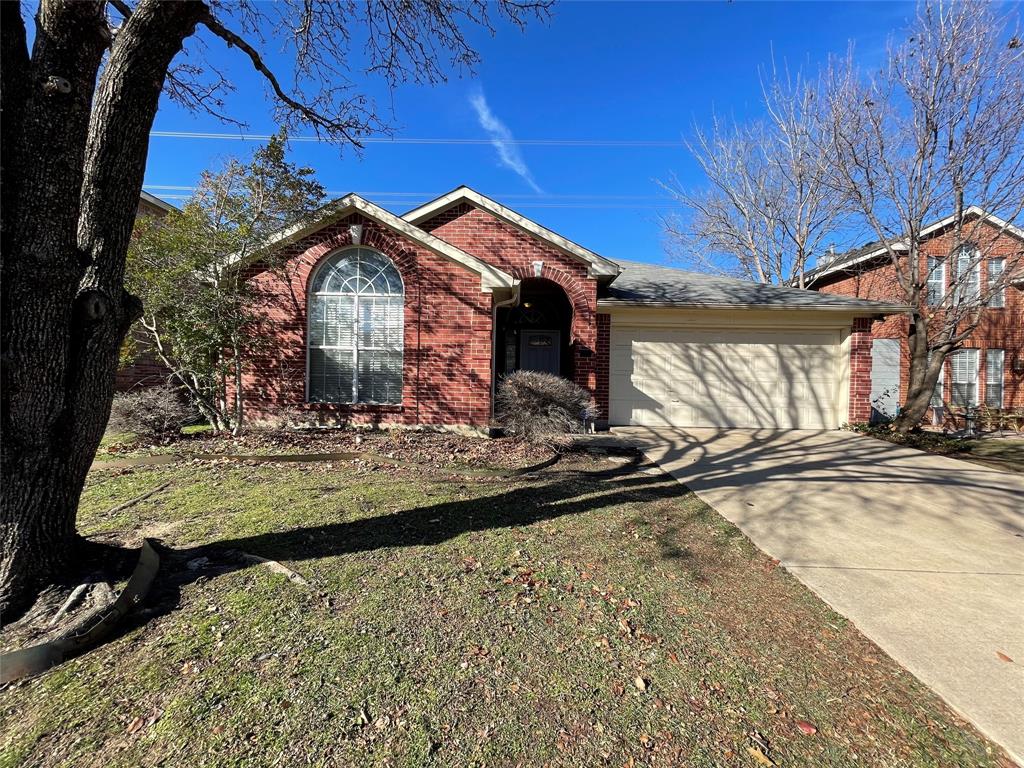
989 370
370 317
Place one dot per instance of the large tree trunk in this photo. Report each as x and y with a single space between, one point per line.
922 375
73 168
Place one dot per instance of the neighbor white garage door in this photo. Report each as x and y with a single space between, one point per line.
713 378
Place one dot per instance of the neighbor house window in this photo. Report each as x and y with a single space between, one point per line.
967 276
994 377
936 281
997 292
964 366
355 329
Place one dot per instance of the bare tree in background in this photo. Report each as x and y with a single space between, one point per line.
77 110
767 206
938 130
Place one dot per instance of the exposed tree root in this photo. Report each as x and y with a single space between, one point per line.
274 566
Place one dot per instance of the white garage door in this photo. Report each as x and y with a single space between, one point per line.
713 378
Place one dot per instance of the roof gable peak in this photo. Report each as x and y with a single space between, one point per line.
597 265
491 277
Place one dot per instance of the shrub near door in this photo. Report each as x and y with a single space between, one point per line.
540 406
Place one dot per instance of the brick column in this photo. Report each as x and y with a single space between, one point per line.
860 371
602 353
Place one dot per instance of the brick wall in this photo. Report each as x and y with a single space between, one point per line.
145 369
496 242
447 336
860 370
999 328
602 364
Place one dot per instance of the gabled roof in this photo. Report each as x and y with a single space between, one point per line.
597 265
156 202
661 286
490 277
865 253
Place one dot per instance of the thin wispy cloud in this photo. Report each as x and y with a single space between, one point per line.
502 139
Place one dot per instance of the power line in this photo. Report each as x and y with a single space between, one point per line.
568 206
609 143
527 204
435 195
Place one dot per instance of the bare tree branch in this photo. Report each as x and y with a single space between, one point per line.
939 130
345 129
766 208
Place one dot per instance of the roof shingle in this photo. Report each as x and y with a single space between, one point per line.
653 284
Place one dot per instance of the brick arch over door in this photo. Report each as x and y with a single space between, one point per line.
583 299
582 311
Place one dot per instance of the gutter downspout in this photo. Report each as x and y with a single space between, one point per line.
508 303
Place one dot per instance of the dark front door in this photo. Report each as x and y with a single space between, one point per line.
540 351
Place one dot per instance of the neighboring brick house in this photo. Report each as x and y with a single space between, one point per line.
369 317
990 368
145 370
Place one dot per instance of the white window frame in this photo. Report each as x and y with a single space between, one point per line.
967 291
971 378
356 346
935 281
996 299
995 376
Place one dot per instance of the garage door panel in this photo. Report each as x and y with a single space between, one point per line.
683 377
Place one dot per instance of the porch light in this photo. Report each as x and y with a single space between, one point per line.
355 232
1018 364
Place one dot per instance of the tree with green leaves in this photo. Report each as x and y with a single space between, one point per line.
198 307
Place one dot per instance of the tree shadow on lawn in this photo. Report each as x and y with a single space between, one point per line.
568 494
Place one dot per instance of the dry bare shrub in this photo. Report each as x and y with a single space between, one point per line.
539 406
156 413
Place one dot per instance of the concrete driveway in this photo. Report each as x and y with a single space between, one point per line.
924 554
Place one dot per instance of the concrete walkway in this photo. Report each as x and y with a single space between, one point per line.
923 553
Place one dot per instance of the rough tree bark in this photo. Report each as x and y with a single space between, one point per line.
74 144
74 148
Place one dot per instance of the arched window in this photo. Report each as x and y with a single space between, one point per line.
355 329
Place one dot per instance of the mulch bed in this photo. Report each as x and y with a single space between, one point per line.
431 449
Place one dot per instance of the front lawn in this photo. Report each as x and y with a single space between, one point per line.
1004 453
595 613
999 452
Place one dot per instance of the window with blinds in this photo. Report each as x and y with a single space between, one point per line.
355 341
963 365
996 290
994 377
967 276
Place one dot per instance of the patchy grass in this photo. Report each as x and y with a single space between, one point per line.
998 452
1005 453
582 616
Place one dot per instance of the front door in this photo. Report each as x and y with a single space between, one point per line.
540 351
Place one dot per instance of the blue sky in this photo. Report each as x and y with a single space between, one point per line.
621 72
